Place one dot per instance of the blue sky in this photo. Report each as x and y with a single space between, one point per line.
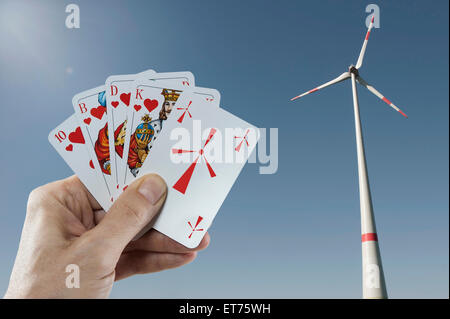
292 234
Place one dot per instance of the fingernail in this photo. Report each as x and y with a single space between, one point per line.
152 188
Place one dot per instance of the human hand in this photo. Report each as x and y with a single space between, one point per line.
65 225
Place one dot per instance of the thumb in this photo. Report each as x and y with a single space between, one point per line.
131 212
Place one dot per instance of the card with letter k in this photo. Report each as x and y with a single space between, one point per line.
199 154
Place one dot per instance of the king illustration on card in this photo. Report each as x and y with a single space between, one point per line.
147 131
152 106
139 143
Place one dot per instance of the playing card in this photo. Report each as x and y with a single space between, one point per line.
151 105
69 142
200 168
90 108
211 96
118 98
153 102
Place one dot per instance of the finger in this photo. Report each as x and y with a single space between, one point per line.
131 212
79 185
99 215
155 241
77 198
141 262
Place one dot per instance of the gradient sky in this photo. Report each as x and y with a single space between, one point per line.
293 234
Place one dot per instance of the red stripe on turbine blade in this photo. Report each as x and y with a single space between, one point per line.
313 90
401 112
386 100
367 35
182 184
369 237
373 18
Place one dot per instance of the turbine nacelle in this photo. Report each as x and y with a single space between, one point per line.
353 69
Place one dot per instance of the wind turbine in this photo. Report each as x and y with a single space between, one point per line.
374 285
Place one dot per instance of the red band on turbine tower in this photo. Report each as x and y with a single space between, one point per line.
369 237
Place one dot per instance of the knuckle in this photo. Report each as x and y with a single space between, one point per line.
37 197
46 195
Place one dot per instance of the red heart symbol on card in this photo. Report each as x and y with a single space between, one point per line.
150 104
98 111
137 107
125 98
115 103
76 136
91 164
87 121
69 148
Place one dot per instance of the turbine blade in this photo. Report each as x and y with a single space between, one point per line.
363 49
340 78
380 96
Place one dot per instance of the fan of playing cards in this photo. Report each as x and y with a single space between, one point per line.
157 123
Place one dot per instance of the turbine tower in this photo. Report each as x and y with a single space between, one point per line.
373 282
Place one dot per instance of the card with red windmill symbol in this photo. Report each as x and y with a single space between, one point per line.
183 182
157 99
198 173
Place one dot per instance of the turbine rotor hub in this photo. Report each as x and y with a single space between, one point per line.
353 69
